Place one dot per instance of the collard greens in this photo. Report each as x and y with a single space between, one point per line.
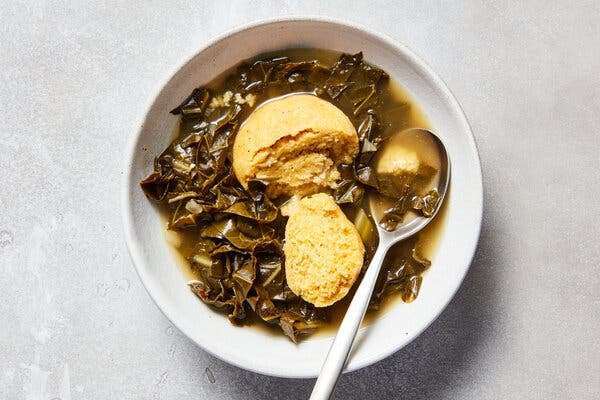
237 234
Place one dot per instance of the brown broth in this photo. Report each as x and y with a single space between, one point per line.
182 242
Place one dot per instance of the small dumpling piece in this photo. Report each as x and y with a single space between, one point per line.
296 144
398 166
396 159
324 252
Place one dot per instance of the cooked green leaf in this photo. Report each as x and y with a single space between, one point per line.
237 232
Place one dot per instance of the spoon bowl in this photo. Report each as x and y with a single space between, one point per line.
413 225
342 344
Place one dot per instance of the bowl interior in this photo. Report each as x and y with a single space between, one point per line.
254 349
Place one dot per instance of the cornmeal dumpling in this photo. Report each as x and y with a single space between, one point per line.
323 250
396 159
296 144
398 167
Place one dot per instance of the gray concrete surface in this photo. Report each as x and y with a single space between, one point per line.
76 323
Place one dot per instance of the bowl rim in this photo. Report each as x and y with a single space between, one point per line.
133 245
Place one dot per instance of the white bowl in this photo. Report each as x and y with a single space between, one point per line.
252 349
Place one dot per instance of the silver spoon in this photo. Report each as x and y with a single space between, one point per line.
342 344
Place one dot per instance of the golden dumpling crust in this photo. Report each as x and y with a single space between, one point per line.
323 250
296 143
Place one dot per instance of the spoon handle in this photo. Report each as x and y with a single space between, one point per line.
339 350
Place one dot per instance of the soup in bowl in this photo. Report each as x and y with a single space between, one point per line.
245 194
